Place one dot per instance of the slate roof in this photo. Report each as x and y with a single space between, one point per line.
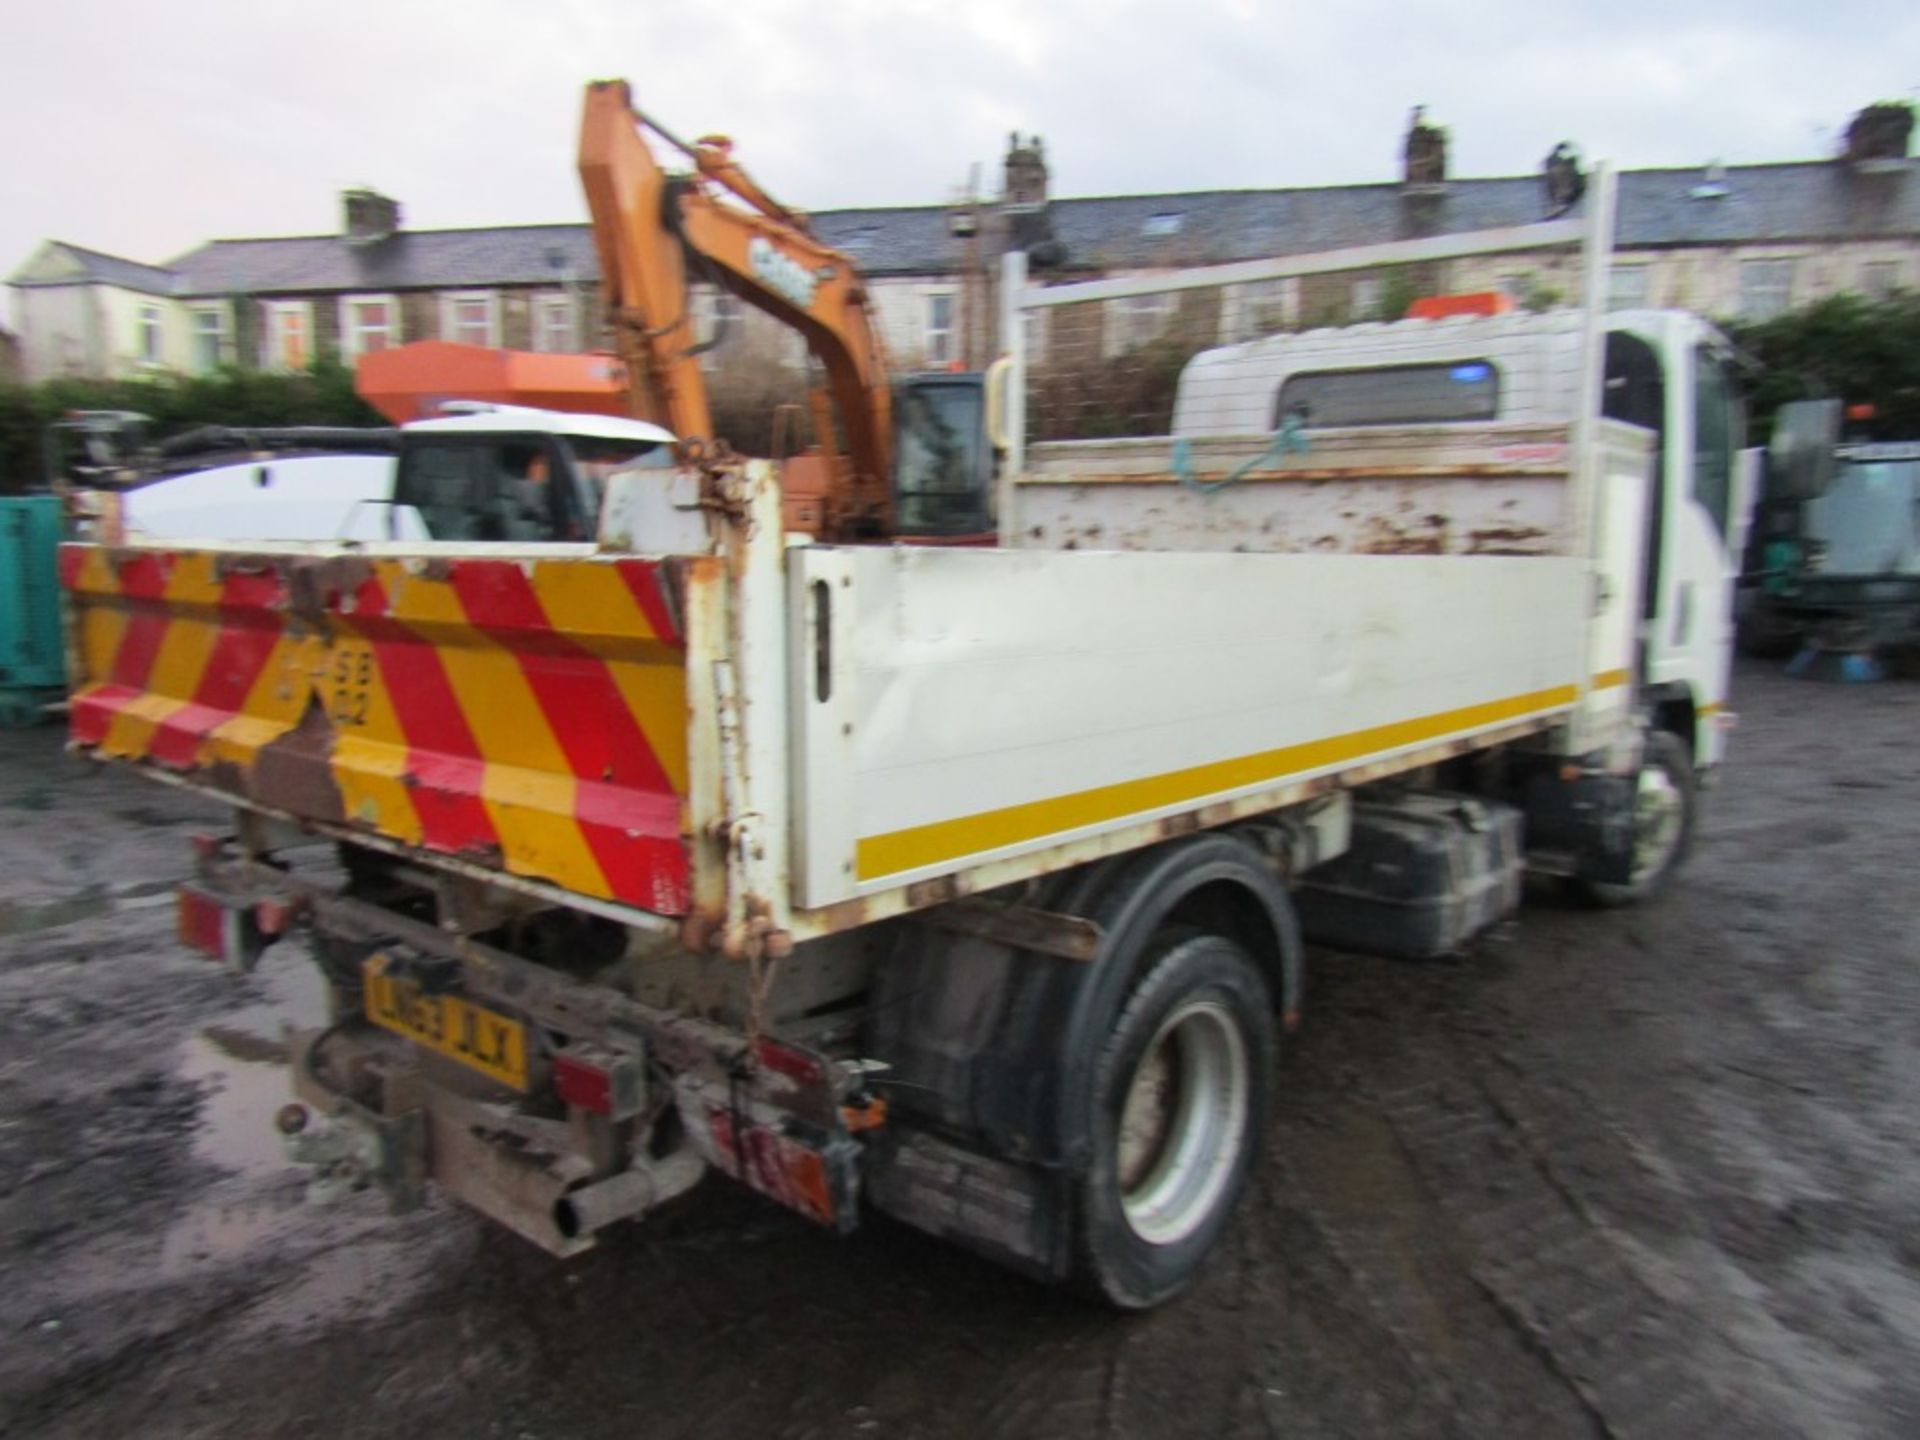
411 259
100 267
1804 201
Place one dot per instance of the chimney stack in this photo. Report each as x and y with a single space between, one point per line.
1879 135
1565 183
1425 154
370 217
1026 171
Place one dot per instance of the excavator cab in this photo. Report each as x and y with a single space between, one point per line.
943 461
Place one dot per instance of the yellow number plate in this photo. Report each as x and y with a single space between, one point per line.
457 1028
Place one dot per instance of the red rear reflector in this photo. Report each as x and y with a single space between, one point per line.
202 921
601 1080
583 1084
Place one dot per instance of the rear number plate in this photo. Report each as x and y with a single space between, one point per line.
447 1024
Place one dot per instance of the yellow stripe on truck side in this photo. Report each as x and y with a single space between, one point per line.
946 841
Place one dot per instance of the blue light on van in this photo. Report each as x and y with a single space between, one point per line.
1471 374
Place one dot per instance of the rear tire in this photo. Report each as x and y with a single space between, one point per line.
1181 1094
1665 810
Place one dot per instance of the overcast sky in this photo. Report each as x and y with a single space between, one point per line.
143 129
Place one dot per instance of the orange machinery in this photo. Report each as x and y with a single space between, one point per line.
911 461
409 382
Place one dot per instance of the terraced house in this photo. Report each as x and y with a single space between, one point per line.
1726 240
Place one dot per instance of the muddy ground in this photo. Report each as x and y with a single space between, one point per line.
1636 1174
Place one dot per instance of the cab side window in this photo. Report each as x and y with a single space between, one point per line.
1714 437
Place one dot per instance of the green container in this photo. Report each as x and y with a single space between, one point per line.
33 657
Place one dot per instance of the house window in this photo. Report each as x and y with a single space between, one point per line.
1766 288
1261 307
209 339
553 324
1142 319
940 347
368 323
150 334
1879 279
472 318
1628 287
289 335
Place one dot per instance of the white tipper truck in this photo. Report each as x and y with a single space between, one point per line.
968 883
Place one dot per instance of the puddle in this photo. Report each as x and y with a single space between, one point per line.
238 1064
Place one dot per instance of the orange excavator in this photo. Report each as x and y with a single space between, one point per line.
913 461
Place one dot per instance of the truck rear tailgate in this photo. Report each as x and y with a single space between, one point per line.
526 714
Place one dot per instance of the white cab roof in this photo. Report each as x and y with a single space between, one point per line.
474 418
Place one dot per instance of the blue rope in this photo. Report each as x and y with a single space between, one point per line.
1290 437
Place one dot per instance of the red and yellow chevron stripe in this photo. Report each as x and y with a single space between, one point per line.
526 714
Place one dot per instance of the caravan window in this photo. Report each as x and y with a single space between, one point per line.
1392 395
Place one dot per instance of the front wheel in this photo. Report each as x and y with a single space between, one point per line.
1666 800
1182 1094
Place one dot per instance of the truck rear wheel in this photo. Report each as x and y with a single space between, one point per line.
1665 800
1182 1094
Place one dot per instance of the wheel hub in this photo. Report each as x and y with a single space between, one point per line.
1183 1122
1657 814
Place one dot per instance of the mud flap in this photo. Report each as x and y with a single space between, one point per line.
1011 1213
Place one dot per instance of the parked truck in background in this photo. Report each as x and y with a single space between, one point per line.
1835 558
962 882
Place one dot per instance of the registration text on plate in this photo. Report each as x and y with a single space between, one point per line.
452 1026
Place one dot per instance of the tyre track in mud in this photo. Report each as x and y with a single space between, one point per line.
1504 1168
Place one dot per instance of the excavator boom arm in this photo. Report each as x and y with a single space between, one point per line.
651 228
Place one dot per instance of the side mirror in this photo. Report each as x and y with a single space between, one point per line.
1800 455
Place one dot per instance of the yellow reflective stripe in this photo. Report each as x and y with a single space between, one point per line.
528 787
1611 679
948 840
100 620
191 600
592 606
274 704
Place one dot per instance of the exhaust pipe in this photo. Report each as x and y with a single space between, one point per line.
632 1192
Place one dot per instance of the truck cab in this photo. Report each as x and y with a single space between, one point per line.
1667 372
